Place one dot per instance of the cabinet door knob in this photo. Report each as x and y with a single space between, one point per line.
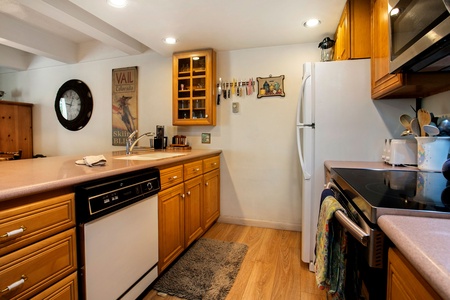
15 284
189 193
173 177
14 232
207 183
183 195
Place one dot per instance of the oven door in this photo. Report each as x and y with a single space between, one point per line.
369 248
371 238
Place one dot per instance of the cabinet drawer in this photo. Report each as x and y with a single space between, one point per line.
210 164
171 176
39 220
66 289
42 264
193 169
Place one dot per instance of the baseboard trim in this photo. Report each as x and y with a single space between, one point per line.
260 223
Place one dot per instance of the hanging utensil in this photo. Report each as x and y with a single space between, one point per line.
431 130
224 89
219 91
405 120
415 128
424 118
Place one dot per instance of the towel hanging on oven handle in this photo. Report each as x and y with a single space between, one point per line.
348 224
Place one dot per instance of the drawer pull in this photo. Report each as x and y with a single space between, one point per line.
173 177
16 284
197 169
214 164
14 232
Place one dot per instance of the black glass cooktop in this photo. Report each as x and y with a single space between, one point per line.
395 189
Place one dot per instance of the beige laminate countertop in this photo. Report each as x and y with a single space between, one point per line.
425 242
31 176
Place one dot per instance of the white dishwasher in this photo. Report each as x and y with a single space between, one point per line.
118 235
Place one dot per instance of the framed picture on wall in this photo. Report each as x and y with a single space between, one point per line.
270 86
124 104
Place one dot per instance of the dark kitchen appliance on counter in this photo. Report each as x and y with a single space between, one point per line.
117 221
367 194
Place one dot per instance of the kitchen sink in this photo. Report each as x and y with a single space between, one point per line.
151 156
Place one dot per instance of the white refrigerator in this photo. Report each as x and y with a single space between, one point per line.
338 120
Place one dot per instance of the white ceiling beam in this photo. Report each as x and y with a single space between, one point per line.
13 59
17 34
73 16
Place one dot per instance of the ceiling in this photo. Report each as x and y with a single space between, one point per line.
72 31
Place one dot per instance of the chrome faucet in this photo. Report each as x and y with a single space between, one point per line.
132 141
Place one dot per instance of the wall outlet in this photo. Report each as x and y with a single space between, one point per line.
235 106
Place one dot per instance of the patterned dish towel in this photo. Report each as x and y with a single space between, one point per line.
331 248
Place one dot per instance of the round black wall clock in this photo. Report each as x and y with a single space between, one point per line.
74 104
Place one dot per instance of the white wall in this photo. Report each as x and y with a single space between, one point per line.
260 183
438 104
259 172
39 86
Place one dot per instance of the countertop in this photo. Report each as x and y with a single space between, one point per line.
425 242
31 176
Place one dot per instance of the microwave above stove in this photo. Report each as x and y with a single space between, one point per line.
419 35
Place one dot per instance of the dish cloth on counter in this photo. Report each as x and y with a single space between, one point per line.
331 244
92 160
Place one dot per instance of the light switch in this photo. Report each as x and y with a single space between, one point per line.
235 106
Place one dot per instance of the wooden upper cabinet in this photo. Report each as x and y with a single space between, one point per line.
401 85
194 88
16 128
353 32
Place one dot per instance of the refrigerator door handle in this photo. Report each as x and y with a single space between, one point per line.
306 175
302 96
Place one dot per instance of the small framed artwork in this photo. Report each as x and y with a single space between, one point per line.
270 86
206 138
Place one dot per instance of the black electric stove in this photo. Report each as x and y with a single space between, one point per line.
380 192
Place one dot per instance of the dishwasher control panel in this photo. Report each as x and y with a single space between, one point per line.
97 198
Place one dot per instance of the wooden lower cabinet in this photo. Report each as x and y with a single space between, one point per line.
186 209
38 266
62 290
193 210
404 282
38 256
212 197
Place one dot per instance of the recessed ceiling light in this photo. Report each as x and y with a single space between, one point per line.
395 11
170 40
311 23
117 3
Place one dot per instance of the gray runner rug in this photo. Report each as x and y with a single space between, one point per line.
206 271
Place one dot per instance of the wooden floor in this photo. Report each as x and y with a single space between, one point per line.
272 268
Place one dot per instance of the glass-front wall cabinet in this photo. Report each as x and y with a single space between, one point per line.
194 88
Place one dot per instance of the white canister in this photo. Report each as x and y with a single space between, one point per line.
432 152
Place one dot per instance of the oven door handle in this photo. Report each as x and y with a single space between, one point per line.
356 231
352 228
